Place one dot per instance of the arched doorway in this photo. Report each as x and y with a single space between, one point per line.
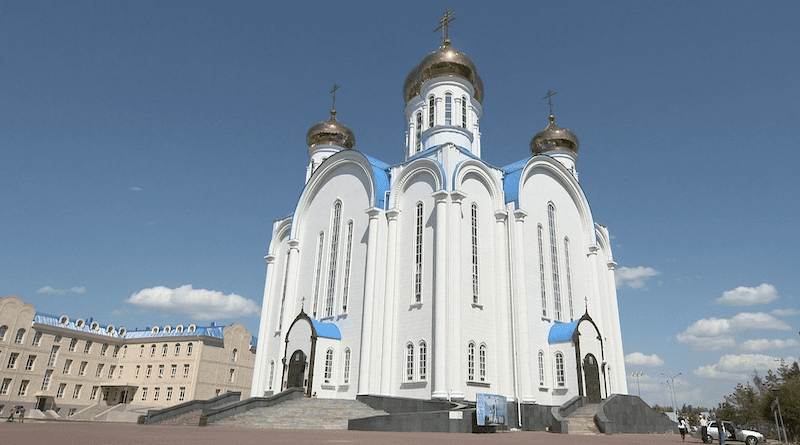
297 368
591 371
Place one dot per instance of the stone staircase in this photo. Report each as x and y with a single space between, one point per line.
581 421
305 414
190 418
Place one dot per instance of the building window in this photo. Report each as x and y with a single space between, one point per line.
173 372
448 109
551 222
104 349
156 393
87 347
57 339
148 371
20 336
119 374
233 355
569 278
4 387
318 278
231 375
189 348
560 370
177 349
337 215
409 362
346 367
67 366
111 370
37 338
418 138
152 350
23 387
116 351
164 350
46 380
328 365
53 356
72 344
471 361
93 396
474 219
61 388
431 110
136 372
423 360
169 394
418 254
141 350
3 330
12 360
463 112
77 392
541 368
283 293
82 369
182 394
271 372
99 370
482 362
161 371
185 370
541 270
347 261
31 361
144 393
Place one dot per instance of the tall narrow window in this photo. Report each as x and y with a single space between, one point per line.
569 278
46 381
271 372
560 370
431 110
418 255
53 356
318 277
283 293
551 222
346 367
541 270
541 368
3 330
463 112
337 215
482 362
423 360
20 336
418 137
347 261
475 287
448 109
471 361
37 338
31 361
409 362
328 365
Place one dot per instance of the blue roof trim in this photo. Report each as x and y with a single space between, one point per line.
380 170
561 332
511 178
327 330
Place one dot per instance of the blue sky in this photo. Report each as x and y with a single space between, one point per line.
146 147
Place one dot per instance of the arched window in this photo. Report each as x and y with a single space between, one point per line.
164 350
551 222
448 109
418 138
72 344
347 261
471 361
177 349
103 349
141 350
318 275
423 360
189 348
463 112
152 350
482 362
569 278
3 330
418 226
271 372
20 336
539 230
560 381
475 286
431 110
233 355
328 365
541 368
337 215
409 362
346 367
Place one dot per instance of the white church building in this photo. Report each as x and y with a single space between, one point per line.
441 277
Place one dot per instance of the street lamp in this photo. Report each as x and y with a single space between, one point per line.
778 404
637 375
672 389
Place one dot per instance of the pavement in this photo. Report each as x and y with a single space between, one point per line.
100 433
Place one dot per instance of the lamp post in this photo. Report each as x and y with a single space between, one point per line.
671 382
778 404
637 375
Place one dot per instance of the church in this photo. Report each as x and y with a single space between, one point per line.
441 277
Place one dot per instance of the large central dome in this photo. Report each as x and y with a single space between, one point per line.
445 61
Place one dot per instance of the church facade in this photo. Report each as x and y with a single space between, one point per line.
441 277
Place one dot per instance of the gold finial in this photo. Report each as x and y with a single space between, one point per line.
333 91
302 303
444 25
549 96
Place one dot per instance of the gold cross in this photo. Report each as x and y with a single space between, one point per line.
548 96
335 87
444 25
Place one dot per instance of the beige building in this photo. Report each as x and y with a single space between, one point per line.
65 364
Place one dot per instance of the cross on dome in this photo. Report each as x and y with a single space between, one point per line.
333 91
444 25
549 96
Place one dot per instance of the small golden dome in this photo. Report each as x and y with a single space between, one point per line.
331 132
554 137
445 61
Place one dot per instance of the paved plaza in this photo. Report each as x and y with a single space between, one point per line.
99 433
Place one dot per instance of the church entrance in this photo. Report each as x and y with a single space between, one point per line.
296 372
592 373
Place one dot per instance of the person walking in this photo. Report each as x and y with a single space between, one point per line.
682 427
703 428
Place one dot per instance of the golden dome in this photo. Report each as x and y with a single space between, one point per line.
445 61
554 137
331 132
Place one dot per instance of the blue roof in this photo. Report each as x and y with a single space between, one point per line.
380 170
561 332
327 330
511 178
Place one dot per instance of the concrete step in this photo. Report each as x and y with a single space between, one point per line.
581 421
302 414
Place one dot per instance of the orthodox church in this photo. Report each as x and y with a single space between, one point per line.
441 277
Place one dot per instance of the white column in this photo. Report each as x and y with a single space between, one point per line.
502 301
260 371
520 295
288 302
389 352
455 297
440 299
365 357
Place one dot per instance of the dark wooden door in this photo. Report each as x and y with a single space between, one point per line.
592 373
297 367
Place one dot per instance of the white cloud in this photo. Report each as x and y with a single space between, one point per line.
639 359
135 189
764 344
737 366
748 296
198 303
710 372
50 290
784 312
717 333
633 277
